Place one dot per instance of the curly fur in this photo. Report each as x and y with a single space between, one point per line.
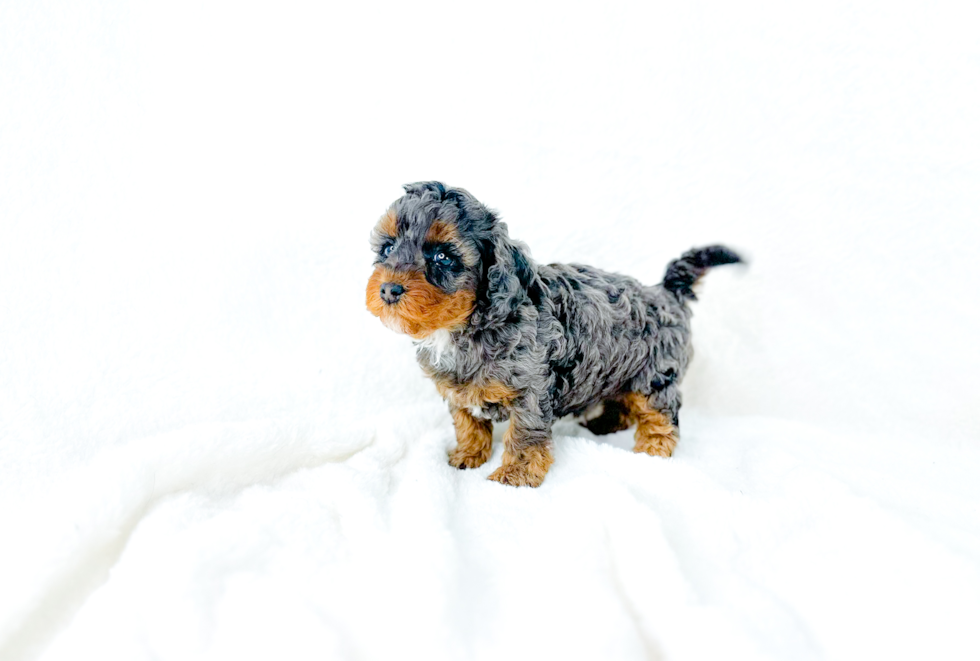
532 342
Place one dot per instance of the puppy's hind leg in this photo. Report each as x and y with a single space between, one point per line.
615 417
474 440
656 428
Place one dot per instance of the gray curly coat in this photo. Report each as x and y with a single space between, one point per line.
505 338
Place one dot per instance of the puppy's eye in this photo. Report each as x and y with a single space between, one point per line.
386 250
443 259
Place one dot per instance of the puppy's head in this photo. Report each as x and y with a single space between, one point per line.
442 261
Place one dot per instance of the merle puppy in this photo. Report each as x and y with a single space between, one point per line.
505 338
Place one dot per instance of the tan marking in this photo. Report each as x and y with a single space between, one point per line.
474 439
423 308
654 432
466 395
388 225
443 232
523 465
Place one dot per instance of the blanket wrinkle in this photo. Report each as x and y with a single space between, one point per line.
650 644
109 497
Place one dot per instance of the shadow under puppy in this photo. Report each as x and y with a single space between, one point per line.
505 338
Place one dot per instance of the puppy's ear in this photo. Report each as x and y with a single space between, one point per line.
508 277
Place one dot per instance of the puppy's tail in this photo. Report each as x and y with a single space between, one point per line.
684 272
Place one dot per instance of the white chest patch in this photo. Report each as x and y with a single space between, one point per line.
439 346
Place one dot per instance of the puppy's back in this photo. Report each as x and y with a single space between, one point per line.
606 333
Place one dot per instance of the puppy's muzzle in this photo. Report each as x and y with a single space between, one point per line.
391 292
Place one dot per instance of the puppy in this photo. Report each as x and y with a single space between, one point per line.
505 338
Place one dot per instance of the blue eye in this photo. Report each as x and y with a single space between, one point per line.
443 259
387 249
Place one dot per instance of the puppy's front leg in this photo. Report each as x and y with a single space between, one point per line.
527 454
474 439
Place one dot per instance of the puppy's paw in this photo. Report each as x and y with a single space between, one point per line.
613 417
603 425
466 458
660 445
518 475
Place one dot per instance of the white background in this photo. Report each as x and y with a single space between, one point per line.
208 448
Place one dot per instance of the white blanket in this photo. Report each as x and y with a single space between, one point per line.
758 539
209 449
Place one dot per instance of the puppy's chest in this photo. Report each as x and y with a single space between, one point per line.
458 378
486 398
474 395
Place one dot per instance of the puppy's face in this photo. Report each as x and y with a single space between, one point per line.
426 269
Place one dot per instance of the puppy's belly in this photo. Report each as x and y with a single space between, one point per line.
490 411
484 400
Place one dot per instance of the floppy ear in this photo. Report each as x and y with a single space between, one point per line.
508 277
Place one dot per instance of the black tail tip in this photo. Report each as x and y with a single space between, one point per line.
712 256
682 273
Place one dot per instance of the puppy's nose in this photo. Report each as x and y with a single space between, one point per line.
391 292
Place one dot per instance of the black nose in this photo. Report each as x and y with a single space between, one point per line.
391 292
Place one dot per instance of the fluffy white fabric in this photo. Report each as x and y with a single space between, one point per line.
209 450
